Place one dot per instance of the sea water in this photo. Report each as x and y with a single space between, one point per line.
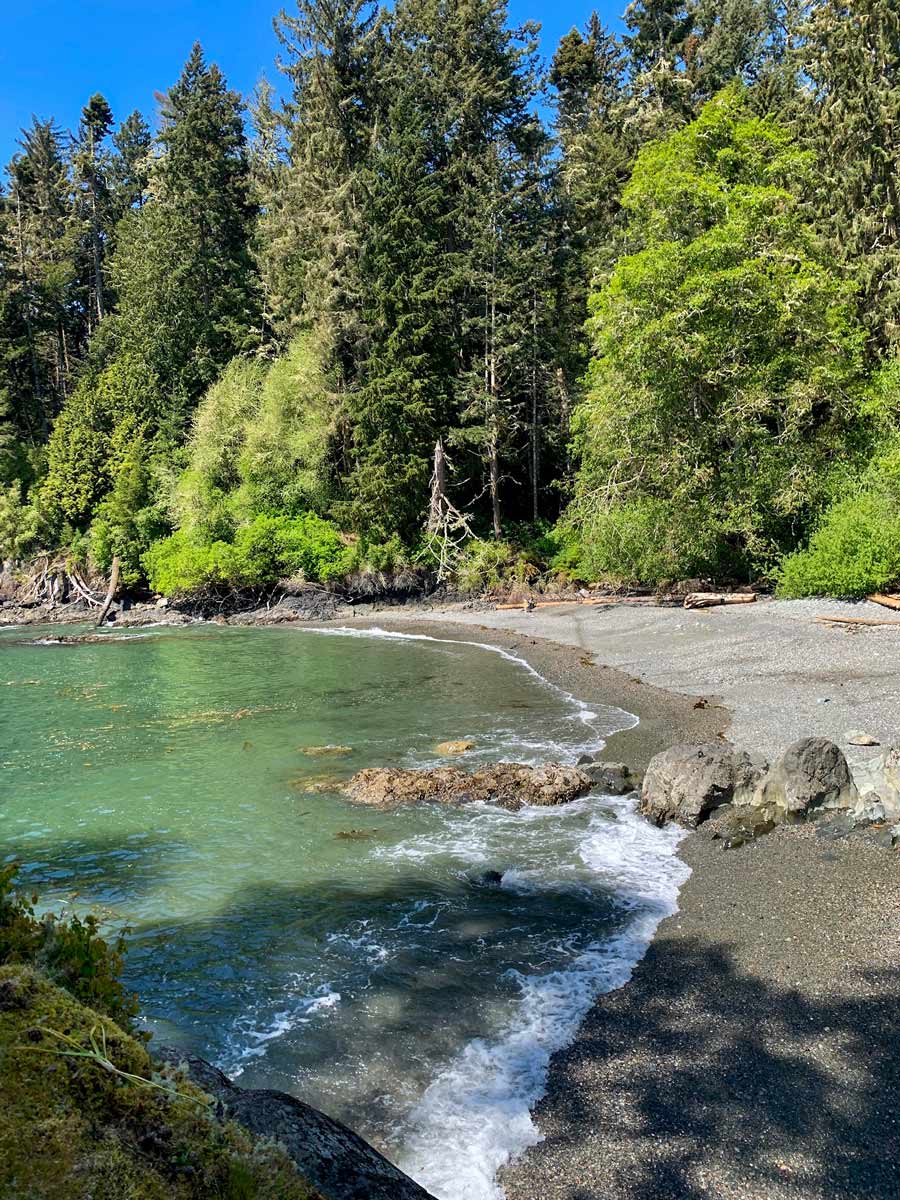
408 972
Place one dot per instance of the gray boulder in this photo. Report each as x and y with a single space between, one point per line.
686 782
337 1162
812 773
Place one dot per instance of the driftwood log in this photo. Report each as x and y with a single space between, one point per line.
555 603
712 599
885 601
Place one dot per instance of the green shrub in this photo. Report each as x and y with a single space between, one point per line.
264 551
491 566
69 949
383 557
854 551
273 548
18 522
650 541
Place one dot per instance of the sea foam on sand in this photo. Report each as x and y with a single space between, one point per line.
476 1114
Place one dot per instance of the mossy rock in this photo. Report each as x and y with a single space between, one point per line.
72 1128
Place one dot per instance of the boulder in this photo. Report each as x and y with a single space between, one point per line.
612 778
812 773
687 782
510 785
736 825
338 1163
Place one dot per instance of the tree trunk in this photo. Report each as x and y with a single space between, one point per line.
535 429
113 584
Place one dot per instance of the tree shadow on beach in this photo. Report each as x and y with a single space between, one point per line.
700 1081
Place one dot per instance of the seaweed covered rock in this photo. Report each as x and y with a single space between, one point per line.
686 782
86 1115
511 785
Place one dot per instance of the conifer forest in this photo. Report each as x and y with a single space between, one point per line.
628 316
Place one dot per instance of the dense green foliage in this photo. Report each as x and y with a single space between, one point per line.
659 323
727 361
69 949
262 552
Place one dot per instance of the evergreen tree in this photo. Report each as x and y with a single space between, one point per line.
598 147
852 55
404 401
130 167
477 80
315 220
183 268
92 214
39 229
187 296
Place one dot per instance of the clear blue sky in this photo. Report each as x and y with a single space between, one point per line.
54 54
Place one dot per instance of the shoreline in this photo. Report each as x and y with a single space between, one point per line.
751 1054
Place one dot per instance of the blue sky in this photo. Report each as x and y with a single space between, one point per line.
54 54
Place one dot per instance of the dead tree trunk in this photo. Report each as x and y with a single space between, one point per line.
111 591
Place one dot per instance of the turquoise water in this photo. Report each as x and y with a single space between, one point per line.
365 961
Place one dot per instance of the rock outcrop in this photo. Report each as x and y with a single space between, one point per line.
337 1162
812 773
510 785
686 783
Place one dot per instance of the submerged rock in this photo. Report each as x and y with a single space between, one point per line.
812 773
510 785
460 746
686 782
326 751
337 1162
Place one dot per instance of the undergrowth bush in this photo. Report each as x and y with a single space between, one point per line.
69 949
262 552
647 541
855 548
493 566
854 551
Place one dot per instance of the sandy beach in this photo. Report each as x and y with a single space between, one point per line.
753 1054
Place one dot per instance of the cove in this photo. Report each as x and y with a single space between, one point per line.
408 972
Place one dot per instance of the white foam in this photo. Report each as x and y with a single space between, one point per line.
250 1040
476 1115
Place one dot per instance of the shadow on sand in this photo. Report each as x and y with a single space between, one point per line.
700 1081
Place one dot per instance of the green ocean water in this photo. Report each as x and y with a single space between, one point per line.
413 974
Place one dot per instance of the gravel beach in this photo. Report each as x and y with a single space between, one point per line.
753 1055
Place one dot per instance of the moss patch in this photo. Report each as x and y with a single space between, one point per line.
72 1128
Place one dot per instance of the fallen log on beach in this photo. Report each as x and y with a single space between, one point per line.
712 599
884 601
605 602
